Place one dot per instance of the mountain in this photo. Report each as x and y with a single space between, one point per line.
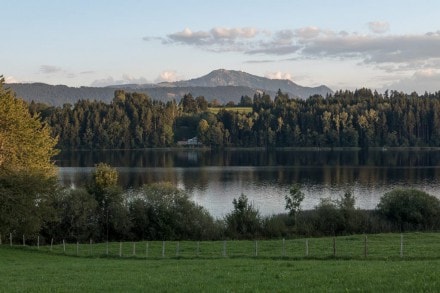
223 77
222 85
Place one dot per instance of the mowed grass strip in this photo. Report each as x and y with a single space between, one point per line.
25 270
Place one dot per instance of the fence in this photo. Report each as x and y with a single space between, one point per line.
381 246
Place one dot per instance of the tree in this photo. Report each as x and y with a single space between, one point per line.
26 145
244 221
27 173
293 201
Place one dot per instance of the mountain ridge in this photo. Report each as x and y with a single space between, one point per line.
221 84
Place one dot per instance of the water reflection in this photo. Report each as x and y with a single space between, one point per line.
214 178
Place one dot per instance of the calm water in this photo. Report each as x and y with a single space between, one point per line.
215 178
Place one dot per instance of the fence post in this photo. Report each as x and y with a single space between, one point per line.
38 242
224 248
365 247
0 238
106 250
24 243
163 248
10 239
77 248
334 246
177 249
64 246
134 248
146 250
51 244
120 248
284 247
198 249
307 247
91 249
401 244
256 248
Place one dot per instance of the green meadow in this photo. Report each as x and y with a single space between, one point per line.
231 266
243 110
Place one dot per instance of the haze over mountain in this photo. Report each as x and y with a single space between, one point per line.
223 85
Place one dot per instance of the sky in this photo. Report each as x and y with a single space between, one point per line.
342 44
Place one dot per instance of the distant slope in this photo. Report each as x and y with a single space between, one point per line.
223 85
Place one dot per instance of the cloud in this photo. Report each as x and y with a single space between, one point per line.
278 75
379 27
11 79
126 79
421 81
49 69
168 76
392 53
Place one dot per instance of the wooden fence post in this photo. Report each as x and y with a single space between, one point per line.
198 249
51 244
177 249
38 242
91 248
106 250
365 247
284 248
224 248
163 248
0 238
146 250
64 246
307 247
24 242
77 248
256 248
120 248
334 246
401 245
134 248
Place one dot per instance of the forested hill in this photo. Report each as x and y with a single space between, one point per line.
345 119
221 85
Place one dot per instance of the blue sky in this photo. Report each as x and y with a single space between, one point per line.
342 44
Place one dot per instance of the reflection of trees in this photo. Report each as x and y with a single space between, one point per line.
331 168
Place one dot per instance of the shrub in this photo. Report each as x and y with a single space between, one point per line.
244 221
410 209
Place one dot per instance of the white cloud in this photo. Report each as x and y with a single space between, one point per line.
11 79
126 79
421 81
379 27
278 75
168 76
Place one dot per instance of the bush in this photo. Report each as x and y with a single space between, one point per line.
411 209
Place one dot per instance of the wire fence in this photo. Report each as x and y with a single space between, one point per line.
380 246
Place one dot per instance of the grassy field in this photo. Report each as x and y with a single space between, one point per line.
244 110
31 270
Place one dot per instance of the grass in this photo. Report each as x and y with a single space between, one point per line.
243 110
31 270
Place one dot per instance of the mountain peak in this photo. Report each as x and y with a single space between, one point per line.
224 77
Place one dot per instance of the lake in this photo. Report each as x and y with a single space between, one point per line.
214 178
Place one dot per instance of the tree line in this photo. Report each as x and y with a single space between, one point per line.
360 118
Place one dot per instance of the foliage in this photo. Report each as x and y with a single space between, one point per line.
411 208
360 118
25 144
294 200
27 173
161 211
244 221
